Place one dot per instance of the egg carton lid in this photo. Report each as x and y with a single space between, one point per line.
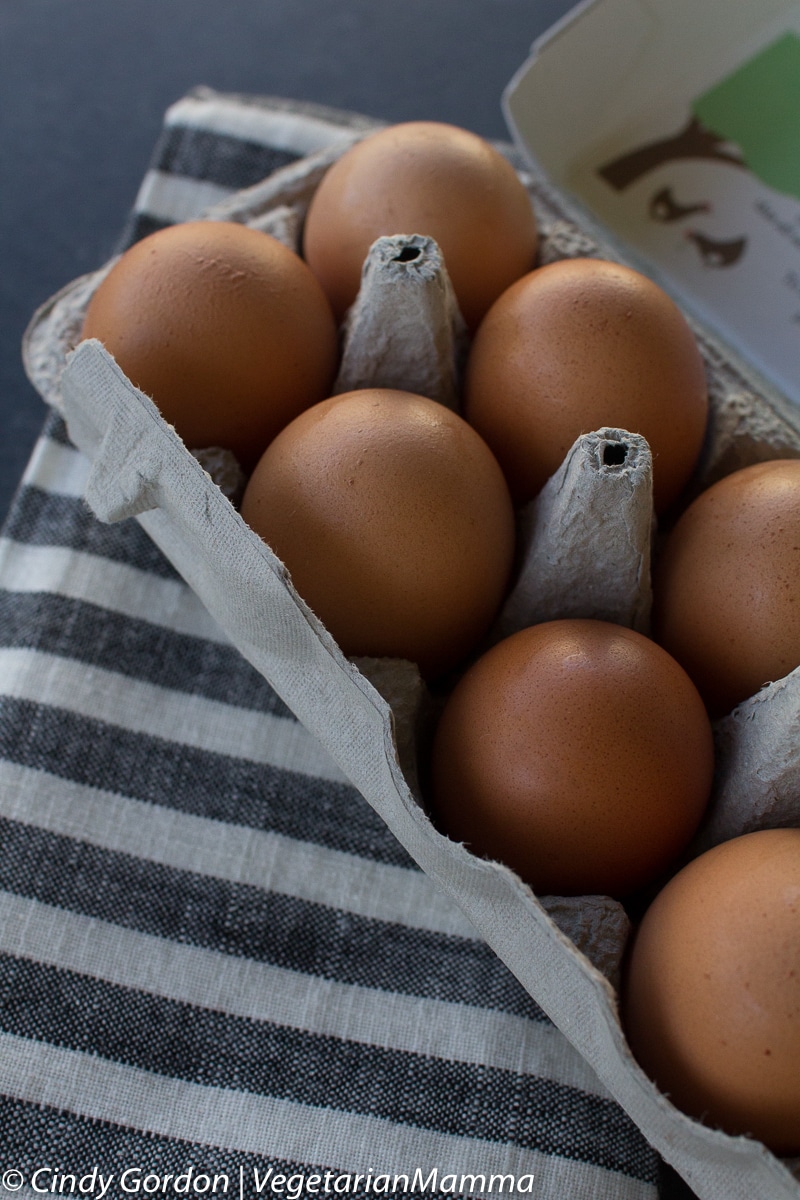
672 128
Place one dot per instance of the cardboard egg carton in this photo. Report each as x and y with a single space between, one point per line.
405 331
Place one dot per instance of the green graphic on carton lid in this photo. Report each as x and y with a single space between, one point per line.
757 107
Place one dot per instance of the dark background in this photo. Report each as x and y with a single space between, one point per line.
84 84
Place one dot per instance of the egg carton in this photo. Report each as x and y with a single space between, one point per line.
372 715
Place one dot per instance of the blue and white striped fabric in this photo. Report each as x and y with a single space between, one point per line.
215 960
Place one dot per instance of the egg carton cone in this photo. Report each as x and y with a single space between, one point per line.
405 329
757 751
604 484
373 716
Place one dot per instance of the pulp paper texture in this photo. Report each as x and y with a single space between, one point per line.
368 718
605 483
405 329
757 750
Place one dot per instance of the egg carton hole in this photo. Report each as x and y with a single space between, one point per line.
407 254
615 454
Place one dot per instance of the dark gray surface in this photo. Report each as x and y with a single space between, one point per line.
84 84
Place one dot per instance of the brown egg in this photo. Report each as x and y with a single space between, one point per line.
712 992
223 327
576 752
727 584
428 178
578 345
394 520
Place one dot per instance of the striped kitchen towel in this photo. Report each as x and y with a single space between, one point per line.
220 973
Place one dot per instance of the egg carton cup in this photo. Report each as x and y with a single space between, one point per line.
584 550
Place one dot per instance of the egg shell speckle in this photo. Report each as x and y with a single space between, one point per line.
577 752
394 521
577 345
223 327
428 178
712 988
727 584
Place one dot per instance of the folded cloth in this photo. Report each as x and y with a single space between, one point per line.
217 966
